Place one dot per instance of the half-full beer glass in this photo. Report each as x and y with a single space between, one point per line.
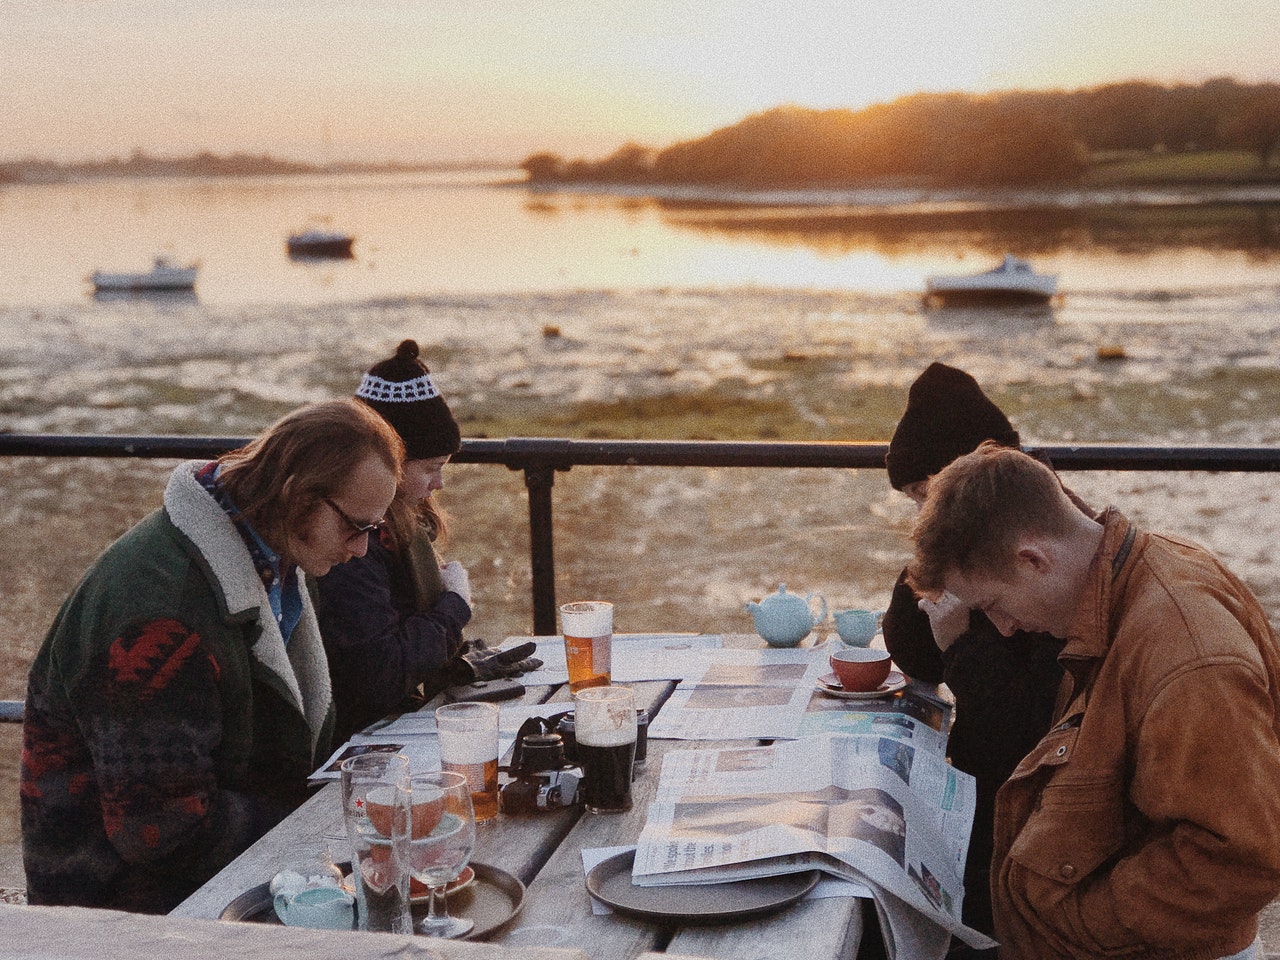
588 637
605 729
469 745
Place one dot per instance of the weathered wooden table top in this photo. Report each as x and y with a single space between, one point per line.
544 851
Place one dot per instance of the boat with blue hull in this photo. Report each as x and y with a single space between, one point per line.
320 243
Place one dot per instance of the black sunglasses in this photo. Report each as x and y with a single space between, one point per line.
357 529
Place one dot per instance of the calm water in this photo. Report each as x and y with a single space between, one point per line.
427 235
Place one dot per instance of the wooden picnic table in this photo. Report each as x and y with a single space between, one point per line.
544 850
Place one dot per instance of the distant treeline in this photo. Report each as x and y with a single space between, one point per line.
141 164
1011 138
205 164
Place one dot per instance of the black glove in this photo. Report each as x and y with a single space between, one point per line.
489 664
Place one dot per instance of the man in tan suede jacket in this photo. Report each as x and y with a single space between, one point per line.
1146 823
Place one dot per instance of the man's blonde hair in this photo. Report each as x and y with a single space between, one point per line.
978 508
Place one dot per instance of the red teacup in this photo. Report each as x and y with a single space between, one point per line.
860 669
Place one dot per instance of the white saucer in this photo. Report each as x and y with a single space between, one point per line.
828 684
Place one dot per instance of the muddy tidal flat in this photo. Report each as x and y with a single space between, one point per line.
675 549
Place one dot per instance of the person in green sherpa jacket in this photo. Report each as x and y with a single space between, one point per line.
181 697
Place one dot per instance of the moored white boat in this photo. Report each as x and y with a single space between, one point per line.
319 243
163 275
1012 281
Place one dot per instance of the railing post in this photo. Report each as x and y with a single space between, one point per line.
542 559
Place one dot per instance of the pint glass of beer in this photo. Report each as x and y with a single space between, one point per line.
588 636
605 729
468 735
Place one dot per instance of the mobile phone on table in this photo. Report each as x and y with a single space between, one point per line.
502 688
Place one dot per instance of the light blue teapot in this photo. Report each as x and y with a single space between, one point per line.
784 619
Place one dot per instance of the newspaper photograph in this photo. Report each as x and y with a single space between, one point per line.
909 716
867 808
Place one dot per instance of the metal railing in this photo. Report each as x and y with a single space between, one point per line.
540 458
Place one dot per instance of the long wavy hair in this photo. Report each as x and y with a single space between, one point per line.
279 478
404 517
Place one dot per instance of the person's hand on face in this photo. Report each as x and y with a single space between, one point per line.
948 618
918 492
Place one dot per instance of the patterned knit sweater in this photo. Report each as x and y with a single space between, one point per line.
167 725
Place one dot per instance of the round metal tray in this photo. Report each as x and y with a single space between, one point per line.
491 901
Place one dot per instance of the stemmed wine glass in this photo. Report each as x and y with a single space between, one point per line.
444 833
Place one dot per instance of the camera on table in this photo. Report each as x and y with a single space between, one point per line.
542 778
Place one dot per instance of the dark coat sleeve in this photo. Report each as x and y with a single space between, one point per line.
379 648
1005 690
908 635
1004 687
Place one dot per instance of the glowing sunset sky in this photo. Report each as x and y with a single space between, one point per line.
499 79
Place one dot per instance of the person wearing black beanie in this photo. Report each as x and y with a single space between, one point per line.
392 620
947 416
1004 687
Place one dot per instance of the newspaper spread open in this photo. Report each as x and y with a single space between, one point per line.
870 808
741 695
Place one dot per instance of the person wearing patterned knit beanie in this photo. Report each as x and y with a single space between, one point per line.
1004 687
392 620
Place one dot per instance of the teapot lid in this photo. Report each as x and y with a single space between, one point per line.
780 600
782 592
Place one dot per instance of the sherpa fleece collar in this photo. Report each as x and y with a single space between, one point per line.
301 667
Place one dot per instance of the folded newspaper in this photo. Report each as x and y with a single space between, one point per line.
864 807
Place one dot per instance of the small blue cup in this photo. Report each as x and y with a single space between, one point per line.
856 627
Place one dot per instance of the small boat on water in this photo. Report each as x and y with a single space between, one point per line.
1012 281
163 275
320 243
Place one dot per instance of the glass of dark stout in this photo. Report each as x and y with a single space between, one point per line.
605 731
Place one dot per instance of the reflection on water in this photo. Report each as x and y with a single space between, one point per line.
1122 230
431 235
993 321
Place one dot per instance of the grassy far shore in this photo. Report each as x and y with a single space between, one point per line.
1120 168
